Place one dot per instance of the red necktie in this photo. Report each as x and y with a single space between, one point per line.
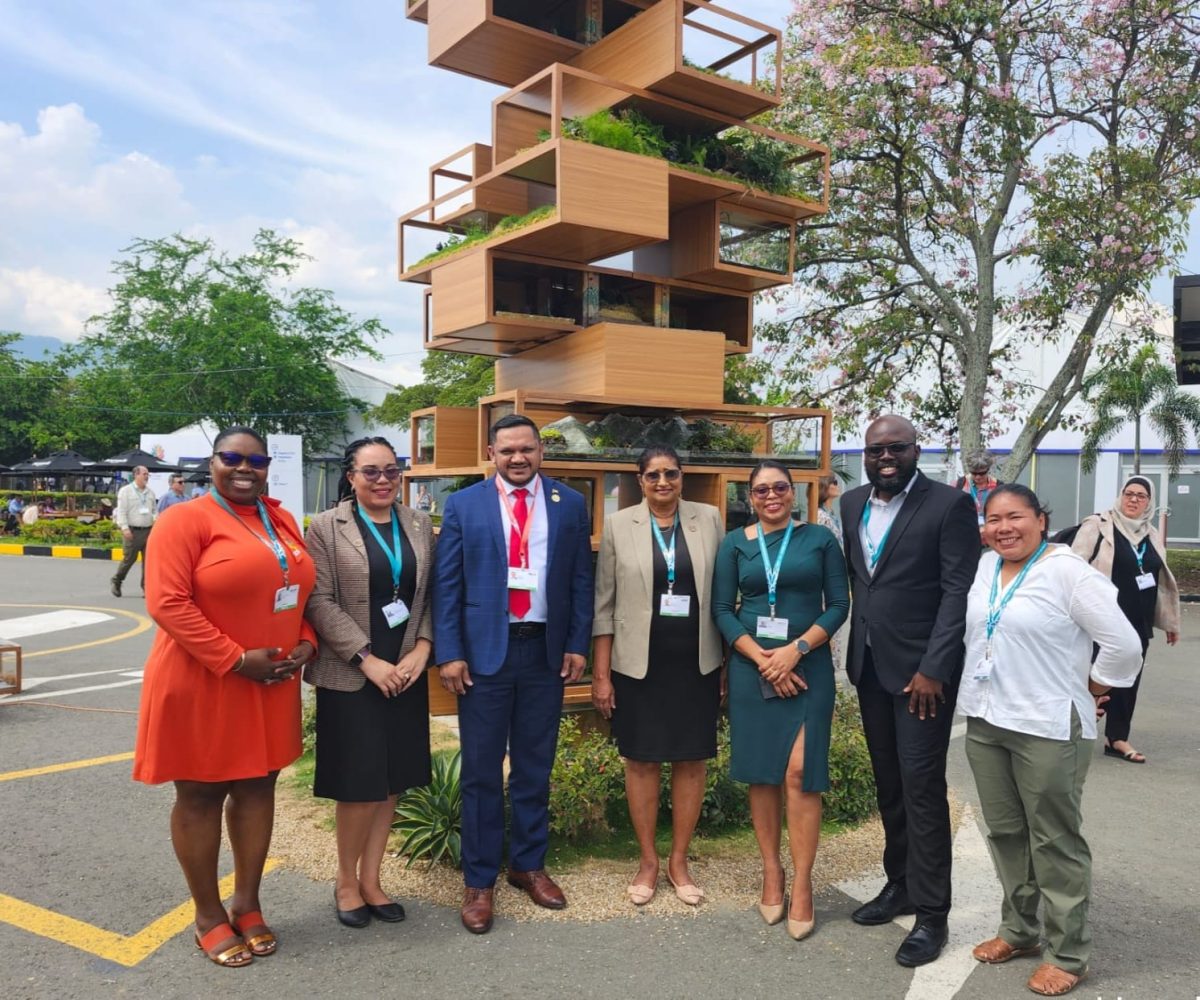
518 600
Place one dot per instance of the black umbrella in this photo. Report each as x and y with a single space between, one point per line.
131 459
57 463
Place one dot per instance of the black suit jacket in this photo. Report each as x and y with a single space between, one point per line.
915 606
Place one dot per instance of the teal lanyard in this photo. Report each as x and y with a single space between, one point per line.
996 610
668 552
975 497
1139 553
274 544
395 555
773 571
874 551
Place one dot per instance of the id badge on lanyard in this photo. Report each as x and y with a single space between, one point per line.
770 627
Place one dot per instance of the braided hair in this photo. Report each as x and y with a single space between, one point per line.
348 459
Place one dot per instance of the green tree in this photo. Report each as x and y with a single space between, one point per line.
450 380
30 394
196 334
993 160
1142 389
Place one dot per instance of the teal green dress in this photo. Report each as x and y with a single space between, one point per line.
812 589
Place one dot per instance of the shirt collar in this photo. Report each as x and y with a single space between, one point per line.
899 496
534 485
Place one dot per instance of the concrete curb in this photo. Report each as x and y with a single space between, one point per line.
62 552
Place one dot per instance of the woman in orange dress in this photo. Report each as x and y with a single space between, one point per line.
227 579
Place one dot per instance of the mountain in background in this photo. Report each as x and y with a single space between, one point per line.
36 348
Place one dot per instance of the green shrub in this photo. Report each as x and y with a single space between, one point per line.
308 722
851 795
474 232
587 777
68 531
430 817
1185 564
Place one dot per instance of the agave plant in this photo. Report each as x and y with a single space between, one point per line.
430 818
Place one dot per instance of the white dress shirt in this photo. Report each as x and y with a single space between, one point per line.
1042 647
883 515
539 541
135 507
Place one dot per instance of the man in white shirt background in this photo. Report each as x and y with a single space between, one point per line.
134 514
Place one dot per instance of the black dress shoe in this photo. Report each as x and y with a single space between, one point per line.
892 902
922 945
358 918
391 913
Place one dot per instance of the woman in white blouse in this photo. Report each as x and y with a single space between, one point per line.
1028 691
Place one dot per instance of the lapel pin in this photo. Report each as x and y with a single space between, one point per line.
554 497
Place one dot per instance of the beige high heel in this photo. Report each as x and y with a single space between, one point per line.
772 913
798 930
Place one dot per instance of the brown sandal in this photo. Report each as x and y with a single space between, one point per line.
997 951
1051 981
233 957
261 944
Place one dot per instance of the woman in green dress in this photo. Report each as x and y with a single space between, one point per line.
794 595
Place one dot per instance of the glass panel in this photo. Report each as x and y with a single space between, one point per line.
752 241
522 290
430 494
797 439
424 440
625 300
497 410
566 20
1058 490
1184 501
584 485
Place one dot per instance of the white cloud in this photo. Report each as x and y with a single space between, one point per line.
47 304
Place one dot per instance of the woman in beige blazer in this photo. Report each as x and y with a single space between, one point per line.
370 609
657 656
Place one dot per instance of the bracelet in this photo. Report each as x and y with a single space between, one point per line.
237 667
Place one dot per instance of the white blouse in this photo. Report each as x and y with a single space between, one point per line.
1042 647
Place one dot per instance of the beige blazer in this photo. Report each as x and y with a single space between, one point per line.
625 583
1095 541
339 606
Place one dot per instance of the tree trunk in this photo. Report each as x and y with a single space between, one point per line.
1137 442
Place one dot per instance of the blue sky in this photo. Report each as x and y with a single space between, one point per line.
138 119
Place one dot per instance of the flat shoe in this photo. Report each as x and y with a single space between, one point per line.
1133 756
390 912
261 944
358 918
687 892
1051 981
233 957
640 895
997 951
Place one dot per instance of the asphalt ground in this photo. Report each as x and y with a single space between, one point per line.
92 903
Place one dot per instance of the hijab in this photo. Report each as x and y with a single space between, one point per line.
1134 528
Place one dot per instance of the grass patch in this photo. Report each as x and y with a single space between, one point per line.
1185 564
473 234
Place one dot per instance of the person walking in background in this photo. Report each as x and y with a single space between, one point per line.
220 706
912 546
134 515
792 580
978 481
1033 614
656 664
1123 544
370 609
512 621
173 495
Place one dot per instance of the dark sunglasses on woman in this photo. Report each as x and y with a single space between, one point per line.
232 459
370 473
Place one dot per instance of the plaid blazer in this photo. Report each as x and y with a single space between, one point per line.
339 608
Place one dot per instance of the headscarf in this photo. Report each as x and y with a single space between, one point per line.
1134 528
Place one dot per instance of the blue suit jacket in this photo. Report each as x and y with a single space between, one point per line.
470 578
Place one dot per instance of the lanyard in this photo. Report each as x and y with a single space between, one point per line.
996 610
773 571
668 553
874 551
274 544
395 555
530 507
1139 552
975 497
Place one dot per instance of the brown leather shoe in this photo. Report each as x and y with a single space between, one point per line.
477 910
541 888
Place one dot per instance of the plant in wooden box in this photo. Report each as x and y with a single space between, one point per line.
621 436
475 232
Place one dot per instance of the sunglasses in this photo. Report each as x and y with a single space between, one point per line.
670 475
232 459
370 473
764 491
897 448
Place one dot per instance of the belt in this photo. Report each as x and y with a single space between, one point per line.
526 630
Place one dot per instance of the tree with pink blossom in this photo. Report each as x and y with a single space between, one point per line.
994 160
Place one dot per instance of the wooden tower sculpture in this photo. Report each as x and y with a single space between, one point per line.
606 246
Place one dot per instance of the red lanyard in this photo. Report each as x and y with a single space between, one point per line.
512 517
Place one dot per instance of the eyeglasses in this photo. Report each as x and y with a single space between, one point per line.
1135 496
779 489
670 475
896 448
232 459
370 473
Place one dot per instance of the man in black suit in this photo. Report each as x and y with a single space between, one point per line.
912 546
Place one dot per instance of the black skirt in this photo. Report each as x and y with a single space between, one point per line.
671 713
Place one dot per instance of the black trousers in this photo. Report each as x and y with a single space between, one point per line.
1118 710
908 756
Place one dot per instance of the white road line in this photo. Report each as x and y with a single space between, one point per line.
50 621
32 682
63 694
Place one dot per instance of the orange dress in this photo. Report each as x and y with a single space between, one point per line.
211 587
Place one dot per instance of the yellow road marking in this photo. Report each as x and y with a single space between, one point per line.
71 765
143 624
127 951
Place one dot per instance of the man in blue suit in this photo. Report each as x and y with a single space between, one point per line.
512 613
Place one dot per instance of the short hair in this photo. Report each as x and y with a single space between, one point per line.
511 420
238 429
977 457
176 477
654 451
140 468
1026 496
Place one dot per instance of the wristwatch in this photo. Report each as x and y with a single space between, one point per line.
802 647
357 659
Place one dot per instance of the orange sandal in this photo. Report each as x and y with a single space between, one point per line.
261 944
233 957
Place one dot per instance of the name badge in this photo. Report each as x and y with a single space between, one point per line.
520 578
983 669
143 510
676 605
981 521
1145 581
396 613
287 598
772 628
